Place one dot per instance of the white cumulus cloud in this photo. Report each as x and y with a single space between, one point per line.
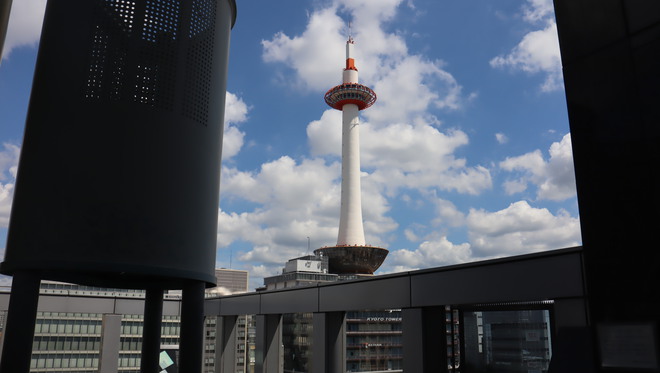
447 214
431 253
538 10
236 111
409 87
316 55
290 201
538 51
8 168
501 138
520 228
405 155
554 178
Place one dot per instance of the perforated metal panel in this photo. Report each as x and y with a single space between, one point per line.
119 173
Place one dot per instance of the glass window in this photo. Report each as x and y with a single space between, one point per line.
519 339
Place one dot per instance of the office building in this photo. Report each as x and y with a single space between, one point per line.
72 341
372 338
508 341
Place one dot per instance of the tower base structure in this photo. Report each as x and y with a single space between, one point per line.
347 259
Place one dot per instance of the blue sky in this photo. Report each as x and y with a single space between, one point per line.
465 156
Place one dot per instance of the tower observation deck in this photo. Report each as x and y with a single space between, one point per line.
351 255
350 93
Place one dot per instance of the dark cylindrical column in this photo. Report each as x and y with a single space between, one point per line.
19 328
191 342
153 316
128 102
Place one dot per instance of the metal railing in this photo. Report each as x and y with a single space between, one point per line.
551 281
438 307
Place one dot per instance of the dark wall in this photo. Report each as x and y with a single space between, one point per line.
611 59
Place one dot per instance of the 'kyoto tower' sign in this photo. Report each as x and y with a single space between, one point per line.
351 255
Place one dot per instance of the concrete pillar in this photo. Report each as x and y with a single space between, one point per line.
269 357
225 348
329 349
424 341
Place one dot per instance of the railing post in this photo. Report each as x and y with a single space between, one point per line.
329 349
424 340
191 345
19 327
153 319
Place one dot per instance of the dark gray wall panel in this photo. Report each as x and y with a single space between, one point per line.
610 55
641 14
129 306
520 280
53 303
376 293
298 300
171 307
580 35
4 301
212 307
248 304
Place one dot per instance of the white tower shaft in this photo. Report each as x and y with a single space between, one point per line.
351 230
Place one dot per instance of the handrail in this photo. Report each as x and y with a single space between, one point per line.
523 278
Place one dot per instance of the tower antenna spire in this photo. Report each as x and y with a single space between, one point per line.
350 32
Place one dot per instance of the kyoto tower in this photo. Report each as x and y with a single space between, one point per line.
351 255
